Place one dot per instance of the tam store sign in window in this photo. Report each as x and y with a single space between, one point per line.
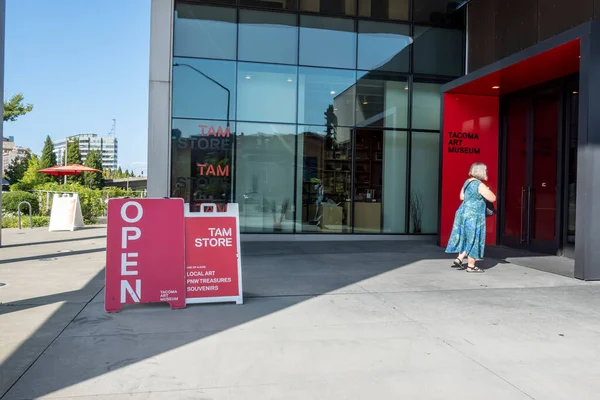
201 162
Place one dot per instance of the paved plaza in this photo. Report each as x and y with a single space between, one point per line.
321 320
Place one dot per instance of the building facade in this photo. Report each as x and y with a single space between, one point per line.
315 116
11 152
108 147
528 109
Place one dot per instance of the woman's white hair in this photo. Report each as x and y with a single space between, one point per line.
478 171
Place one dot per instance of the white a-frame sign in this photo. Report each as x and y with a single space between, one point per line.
66 213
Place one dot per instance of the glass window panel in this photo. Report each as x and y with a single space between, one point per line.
340 7
426 108
381 101
266 93
216 1
274 4
265 155
395 145
425 161
202 31
439 12
268 37
201 89
324 179
438 51
201 161
326 96
327 42
384 9
383 46
368 183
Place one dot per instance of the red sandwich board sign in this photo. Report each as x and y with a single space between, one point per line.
145 253
212 255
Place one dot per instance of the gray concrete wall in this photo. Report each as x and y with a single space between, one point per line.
159 107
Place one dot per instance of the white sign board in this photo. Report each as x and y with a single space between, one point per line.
212 255
66 213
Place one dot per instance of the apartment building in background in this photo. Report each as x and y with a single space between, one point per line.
10 152
108 147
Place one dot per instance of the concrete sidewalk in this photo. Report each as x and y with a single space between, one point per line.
329 320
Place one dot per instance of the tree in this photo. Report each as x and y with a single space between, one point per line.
94 180
14 108
74 157
48 158
16 169
32 176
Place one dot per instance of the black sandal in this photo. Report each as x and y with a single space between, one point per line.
458 263
474 269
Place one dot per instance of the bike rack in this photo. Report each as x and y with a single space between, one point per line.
30 214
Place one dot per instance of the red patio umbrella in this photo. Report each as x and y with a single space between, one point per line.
66 170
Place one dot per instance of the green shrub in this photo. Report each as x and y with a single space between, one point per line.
115 192
21 187
91 202
11 200
11 221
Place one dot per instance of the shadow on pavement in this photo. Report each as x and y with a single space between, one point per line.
27 244
276 276
41 257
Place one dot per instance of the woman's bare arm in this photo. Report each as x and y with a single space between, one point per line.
486 193
462 194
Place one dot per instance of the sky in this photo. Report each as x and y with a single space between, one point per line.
81 63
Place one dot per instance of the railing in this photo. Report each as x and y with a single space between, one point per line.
30 214
49 194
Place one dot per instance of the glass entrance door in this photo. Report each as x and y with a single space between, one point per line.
530 181
572 117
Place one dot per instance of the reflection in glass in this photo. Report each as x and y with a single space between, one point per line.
326 96
202 31
395 155
425 161
201 161
203 89
324 183
268 37
439 12
340 7
266 93
232 2
368 184
274 4
426 106
327 42
265 177
384 9
438 51
382 101
383 46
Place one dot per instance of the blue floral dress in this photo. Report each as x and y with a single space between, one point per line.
468 231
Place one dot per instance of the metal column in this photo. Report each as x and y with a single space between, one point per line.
2 18
159 107
587 231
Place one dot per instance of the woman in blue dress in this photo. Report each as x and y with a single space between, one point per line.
468 232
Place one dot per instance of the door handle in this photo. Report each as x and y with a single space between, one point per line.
529 205
522 232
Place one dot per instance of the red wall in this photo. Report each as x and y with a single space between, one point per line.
470 134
